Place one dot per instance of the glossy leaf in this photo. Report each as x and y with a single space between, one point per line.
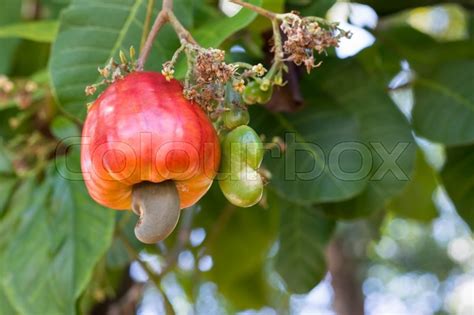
312 8
60 235
305 172
215 32
7 185
5 160
39 31
384 130
416 200
458 179
402 42
64 129
10 13
304 234
444 104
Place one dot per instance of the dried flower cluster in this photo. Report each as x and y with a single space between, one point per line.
208 78
6 85
19 92
31 151
306 35
114 71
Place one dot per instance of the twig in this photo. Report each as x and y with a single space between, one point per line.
160 20
256 9
128 303
277 42
168 5
183 34
164 16
156 279
146 26
183 238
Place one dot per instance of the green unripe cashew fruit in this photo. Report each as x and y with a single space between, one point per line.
253 94
242 154
236 117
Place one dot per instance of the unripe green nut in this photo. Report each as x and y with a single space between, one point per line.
242 155
253 94
245 192
235 117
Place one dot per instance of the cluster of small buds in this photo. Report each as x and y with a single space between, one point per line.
168 71
6 85
114 71
306 35
20 92
31 150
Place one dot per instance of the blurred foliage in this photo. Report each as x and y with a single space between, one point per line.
60 253
458 185
415 201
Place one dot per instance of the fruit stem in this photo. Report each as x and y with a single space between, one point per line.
164 16
160 20
183 34
146 25
167 5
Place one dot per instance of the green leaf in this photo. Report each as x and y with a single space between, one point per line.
91 32
5 306
7 185
10 13
59 237
423 53
384 130
215 32
458 179
238 240
444 104
306 172
38 31
416 200
304 234
384 8
312 7
54 7
6 166
261 23
64 129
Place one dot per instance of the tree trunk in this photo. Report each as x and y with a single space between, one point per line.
348 296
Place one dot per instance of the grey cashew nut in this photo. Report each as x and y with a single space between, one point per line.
157 204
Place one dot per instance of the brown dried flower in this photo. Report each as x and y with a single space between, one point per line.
209 77
90 90
306 35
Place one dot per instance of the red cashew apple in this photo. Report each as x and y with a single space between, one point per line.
146 148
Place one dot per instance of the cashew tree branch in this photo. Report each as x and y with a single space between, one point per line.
166 15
